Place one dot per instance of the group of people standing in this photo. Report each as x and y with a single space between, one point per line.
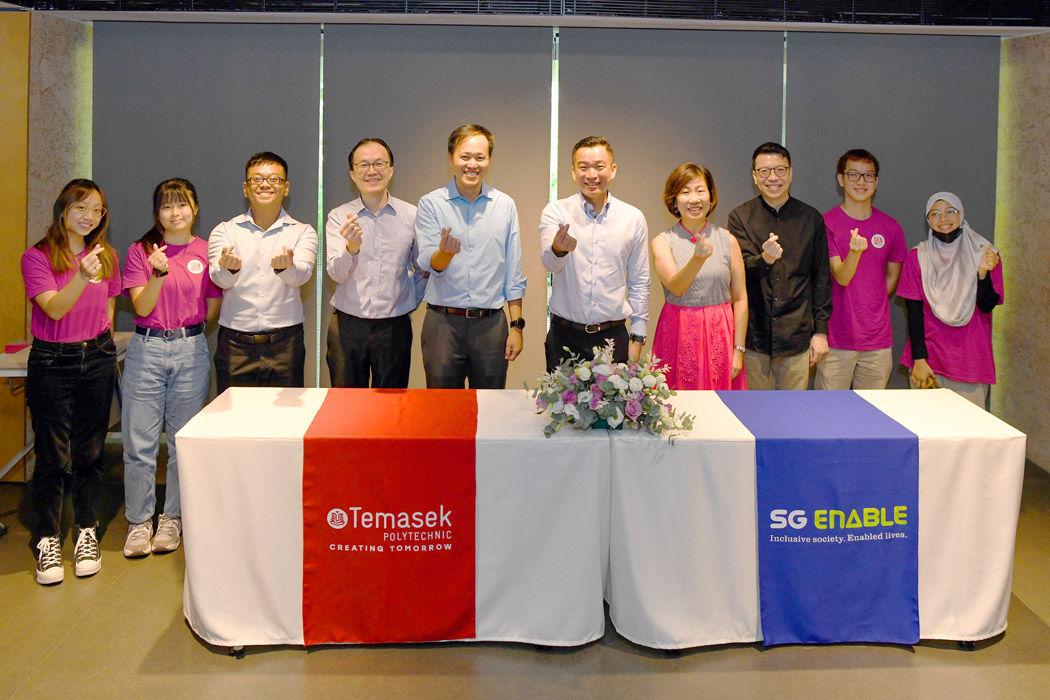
751 307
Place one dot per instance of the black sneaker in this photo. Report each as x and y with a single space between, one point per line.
49 561
87 556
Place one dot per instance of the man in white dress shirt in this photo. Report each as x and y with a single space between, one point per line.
371 254
261 259
598 249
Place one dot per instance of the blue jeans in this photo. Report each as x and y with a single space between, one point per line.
69 388
165 381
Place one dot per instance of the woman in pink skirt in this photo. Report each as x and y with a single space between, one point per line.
702 326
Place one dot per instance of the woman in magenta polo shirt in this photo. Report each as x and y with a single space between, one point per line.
950 284
72 277
167 364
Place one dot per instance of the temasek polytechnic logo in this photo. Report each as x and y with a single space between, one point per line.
418 531
337 518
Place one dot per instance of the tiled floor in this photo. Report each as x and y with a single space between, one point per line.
121 634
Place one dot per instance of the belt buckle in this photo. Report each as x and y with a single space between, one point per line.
473 313
167 333
593 328
262 338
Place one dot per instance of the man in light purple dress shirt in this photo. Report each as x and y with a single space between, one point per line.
371 256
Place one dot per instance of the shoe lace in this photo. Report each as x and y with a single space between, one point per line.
87 545
140 532
168 526
50 552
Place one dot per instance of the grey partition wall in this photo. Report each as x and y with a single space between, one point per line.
665 97
925 106
411 86
195 101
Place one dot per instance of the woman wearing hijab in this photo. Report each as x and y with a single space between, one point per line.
950 284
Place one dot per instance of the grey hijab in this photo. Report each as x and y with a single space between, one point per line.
949 270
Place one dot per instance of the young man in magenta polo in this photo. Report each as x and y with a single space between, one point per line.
866 249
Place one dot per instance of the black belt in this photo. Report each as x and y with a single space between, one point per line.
469 313
588 327
171 333
266 337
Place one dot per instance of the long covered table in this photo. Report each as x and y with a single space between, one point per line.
684 564
540 524
666 534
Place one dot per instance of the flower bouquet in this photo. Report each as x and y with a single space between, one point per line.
600 393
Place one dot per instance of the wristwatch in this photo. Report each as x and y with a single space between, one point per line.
637 338
159 273
518 323
741 348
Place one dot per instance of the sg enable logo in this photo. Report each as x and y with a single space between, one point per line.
838 519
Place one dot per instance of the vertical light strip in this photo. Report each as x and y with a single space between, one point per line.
319 263
552 194
784 98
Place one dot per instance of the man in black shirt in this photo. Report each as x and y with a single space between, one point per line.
785 248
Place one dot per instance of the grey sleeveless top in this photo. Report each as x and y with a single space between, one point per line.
711 285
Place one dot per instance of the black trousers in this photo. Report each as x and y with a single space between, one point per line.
360 349
69 389
271 358
582 343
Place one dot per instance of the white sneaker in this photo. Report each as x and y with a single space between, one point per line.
87 557
169 534
49 561
136 544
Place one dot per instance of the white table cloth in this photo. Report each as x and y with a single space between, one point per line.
541 520
683 551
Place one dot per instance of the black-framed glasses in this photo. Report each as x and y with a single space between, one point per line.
275 180
855 176
780 170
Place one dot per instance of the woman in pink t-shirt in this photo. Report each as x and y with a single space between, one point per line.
700 334
950 284
167 364
72 277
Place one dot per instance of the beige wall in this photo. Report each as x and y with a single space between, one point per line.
1021 333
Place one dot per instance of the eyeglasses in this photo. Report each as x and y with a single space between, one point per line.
780 170
81 209
275 180
855 176
934 215
379 165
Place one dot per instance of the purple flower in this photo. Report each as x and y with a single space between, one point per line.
541 403
633 409
573 379
569 397
596 399
599 378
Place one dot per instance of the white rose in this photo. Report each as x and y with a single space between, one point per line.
635 384
571 411
583 373
618 382
615 420
583 397
649 380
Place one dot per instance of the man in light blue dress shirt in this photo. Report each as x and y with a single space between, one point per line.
469 242
371 256
597 246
